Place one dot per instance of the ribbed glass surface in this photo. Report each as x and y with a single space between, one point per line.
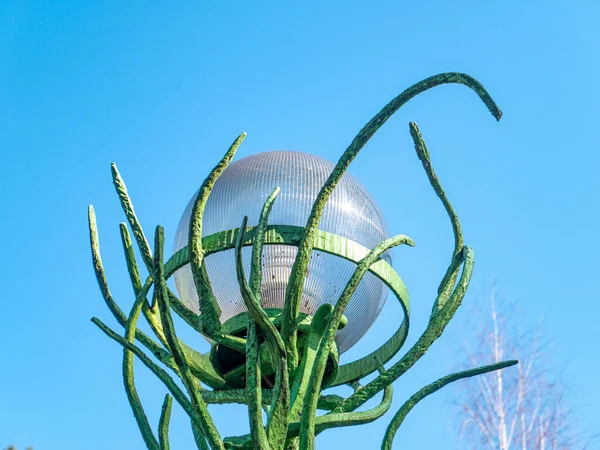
350 212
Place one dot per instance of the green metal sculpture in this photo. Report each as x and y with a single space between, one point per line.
299 351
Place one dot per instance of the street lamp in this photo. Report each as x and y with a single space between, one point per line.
281 295
350 213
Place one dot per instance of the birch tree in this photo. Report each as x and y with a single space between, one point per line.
522 409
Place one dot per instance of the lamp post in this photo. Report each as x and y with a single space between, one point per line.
280 296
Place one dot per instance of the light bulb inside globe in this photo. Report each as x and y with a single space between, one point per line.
350 212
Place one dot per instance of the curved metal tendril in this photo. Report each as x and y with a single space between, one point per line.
299 381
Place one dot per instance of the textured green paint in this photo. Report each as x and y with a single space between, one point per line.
315 335
128 378
235 377
229 396
141 240
160 373
199 363
189 316
307 422
333 420
449 280
253 390
368 364
160 353
134 223
99 269
186 314
434 330
199 438
399 417
291 417
257 245
132 267
200 410
278 413
136 283
292 235
163 423
240 322
423 155
298 274
286 235
208 304
146 253
234 342
331 244
325 422
202 368
445 305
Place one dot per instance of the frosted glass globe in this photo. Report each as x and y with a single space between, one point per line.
242 190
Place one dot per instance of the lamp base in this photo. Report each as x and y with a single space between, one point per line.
231 363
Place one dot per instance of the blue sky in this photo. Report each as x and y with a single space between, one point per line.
162 89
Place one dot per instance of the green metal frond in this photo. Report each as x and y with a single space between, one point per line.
258 243
128 378
202 368
163 423
315 335
392 428
134 274
229 396
260 440
278 414
132 267
254 391
160 373
307 422
136 282
200 411
199 363
331 244
297 349
333 420
199 438
298 274
186 314
368 364
159 352
336 420
207 302
328 243
134 223
447 284
322 423
99 269
434 330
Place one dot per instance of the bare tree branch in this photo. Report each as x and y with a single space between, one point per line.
524 408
